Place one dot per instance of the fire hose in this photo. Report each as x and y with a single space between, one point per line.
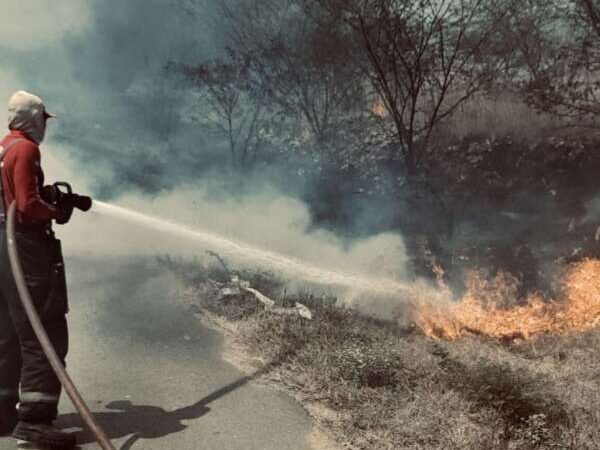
42 336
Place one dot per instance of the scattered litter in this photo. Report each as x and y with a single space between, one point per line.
269 304
237 286
261 298
303 311
229 291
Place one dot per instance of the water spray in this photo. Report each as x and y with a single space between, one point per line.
288 265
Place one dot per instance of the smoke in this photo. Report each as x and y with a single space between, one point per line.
266 220
100 66
37 24
120 138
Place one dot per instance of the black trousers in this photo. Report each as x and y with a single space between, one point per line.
23 364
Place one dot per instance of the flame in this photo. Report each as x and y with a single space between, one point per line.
378 108
488 308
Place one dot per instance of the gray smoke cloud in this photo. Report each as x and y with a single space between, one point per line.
38 24
99 65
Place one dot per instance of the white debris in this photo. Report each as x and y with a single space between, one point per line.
299 310
229 291
269 304
261 297
303 311
236 286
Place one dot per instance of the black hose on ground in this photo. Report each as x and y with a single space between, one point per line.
42 336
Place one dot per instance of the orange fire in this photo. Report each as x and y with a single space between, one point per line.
378 108
485 309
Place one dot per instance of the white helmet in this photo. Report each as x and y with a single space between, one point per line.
27 113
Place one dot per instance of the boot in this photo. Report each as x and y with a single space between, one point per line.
30 435
8 420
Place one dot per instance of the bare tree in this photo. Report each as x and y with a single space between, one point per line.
227 103
564 65
301 64
591 14
423 60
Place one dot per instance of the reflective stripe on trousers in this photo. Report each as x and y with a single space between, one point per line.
38 397
22 360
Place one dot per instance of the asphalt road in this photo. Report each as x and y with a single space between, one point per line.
154 377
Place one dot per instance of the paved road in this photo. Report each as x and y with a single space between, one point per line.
154 377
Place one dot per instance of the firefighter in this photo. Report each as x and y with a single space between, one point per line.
26 377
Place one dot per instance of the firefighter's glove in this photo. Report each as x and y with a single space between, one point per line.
65 210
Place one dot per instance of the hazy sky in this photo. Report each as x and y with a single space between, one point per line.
31 27
100 65
36 24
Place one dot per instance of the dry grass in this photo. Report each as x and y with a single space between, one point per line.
376 386
498 115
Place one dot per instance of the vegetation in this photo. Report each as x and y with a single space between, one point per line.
463 124
469 127
376 385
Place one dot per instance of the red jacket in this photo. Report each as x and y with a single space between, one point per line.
22 180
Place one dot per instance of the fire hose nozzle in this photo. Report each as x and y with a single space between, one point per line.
61 193
82 202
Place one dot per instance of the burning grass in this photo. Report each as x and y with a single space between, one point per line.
379 386
488 308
